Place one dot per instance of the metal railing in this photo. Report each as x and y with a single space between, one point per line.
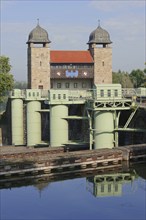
137 95
130 92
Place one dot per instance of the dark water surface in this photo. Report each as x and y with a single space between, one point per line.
107 196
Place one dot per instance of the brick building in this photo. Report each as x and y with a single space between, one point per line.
72 69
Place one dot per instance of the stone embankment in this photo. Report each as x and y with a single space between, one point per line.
25 162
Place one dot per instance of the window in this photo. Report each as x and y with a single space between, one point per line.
70 66
58 85
109 187
116 187
64 96
75 85
67 85
40 86
59 96
116 93
101 93
83 85
109 93
54 96
102 187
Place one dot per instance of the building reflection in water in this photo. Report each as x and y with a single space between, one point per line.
108 184
111 184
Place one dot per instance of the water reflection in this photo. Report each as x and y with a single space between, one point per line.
117 194
109 184
103 183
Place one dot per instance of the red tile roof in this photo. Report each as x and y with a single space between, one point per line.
61 56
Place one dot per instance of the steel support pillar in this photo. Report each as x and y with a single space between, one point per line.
33 123
58 125
103 129
17 121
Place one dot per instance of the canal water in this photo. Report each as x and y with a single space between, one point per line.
111 196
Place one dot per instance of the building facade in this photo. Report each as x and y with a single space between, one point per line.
60 69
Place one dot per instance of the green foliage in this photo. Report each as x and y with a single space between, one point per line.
20 85
5 66
6 82
122 78
137 77
6 79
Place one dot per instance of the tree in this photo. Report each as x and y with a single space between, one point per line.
5 66
20 85
137 77
6 79
122 78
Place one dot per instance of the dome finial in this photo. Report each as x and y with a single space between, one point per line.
99 36
38 35
98 22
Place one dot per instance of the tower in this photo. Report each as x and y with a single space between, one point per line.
99 41
38 56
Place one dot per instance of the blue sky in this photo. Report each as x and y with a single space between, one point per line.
69 24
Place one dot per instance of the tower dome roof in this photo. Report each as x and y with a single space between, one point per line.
99 36
38 35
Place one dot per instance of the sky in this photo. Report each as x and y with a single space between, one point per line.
69 24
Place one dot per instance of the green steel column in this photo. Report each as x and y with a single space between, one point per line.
103 129
17 121
58 125
33 123
116 125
